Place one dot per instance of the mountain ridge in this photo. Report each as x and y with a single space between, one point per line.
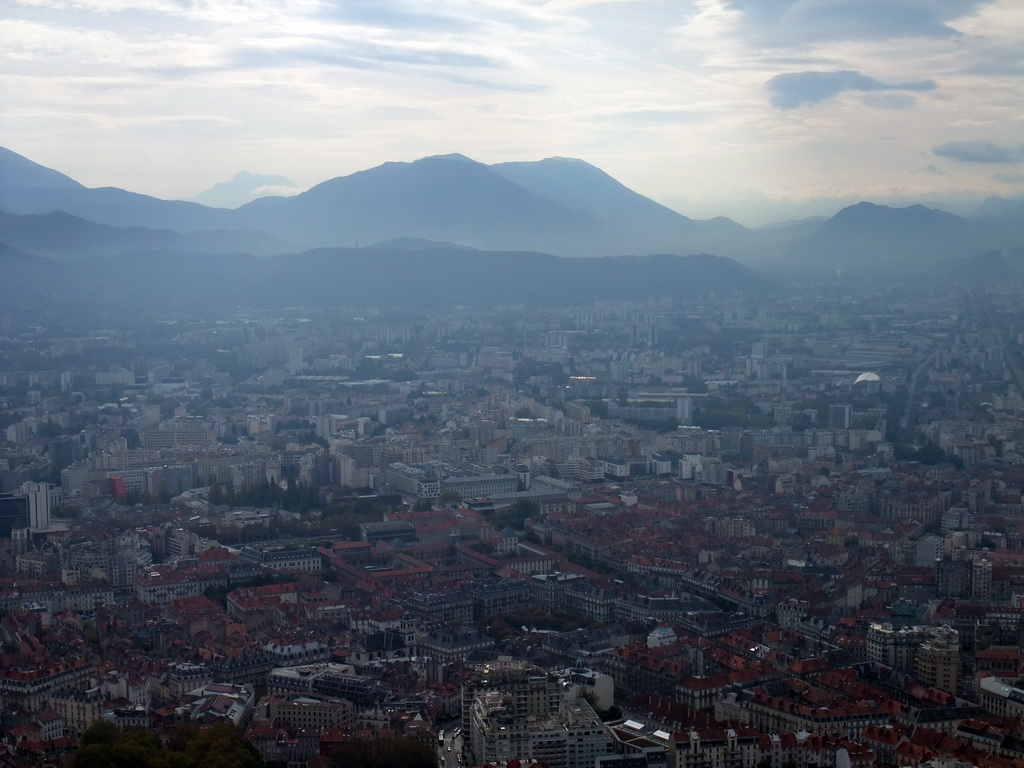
558 205
20 171
66 237
441 197
173 282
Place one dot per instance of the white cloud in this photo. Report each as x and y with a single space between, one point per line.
794 89
980 151
667 95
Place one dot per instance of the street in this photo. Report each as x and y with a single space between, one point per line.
449 753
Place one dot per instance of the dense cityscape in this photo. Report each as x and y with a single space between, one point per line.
511 384
773 530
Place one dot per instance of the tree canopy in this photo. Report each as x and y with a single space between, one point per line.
104 745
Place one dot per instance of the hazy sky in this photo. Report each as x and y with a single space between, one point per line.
744 108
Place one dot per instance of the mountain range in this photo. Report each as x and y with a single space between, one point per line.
458 213
190 284
559 206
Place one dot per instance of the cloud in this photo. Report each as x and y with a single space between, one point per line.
389 14
980 151
998 59
494 85
366 81
1008 177
890 100
794 89
650 114
809 21
360 54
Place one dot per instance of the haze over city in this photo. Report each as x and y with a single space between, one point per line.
758 111
511 384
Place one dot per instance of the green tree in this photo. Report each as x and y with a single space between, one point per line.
94 756
180 737
104 745
515 517
101 732
92 635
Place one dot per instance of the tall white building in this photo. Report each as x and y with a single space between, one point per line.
43 499
527 714
296 363
930 653
896 648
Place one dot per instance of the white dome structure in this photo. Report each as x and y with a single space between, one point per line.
867 377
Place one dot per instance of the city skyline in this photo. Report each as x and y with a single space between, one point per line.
757 111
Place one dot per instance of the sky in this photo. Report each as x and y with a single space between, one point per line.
759 110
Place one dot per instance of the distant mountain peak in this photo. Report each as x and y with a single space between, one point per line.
1000 206
567 161
870 238
557 161
245 187
452 156
416 244
261 177
578 185
909 214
